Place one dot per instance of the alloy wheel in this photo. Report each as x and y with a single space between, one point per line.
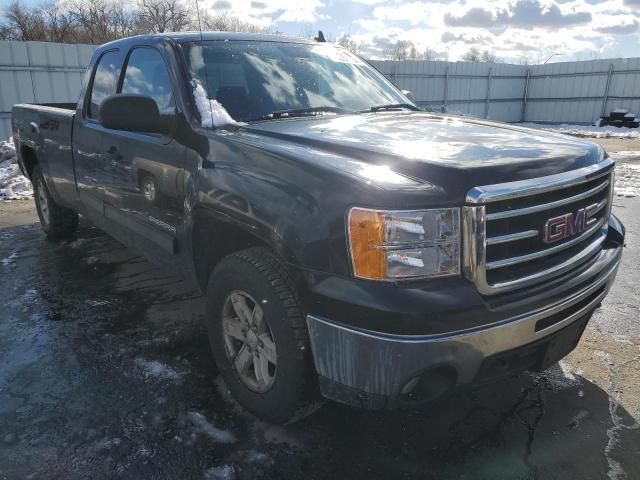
249 341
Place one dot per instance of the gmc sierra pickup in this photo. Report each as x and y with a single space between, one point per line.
347 242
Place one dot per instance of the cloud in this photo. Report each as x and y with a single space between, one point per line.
304 11
624 28
258 5
632 3
470 38
525 14
221 5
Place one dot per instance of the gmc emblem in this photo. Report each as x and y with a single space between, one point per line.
570 224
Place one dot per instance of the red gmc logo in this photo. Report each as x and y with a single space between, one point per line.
570 224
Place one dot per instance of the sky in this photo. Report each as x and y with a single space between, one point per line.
514 30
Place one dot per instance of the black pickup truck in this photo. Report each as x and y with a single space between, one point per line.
347 242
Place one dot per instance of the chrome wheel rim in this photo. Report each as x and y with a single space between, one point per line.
43 203
149 189
249 341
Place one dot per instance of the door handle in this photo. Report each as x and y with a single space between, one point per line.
34 127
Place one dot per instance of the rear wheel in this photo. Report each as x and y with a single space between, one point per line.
258 335
57 222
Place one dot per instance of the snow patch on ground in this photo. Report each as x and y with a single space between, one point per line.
212 113
13 185
560 377
153 368
217 434
627 182
10 260
221 472
588 131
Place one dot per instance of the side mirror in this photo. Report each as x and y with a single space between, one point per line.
133 113
409 95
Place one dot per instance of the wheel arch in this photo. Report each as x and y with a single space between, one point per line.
29 159
214 236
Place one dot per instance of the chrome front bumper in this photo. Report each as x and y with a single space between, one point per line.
380 365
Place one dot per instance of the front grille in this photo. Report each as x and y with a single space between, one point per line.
505 247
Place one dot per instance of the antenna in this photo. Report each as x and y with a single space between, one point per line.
199 21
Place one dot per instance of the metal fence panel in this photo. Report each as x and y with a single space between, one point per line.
566 92
39 72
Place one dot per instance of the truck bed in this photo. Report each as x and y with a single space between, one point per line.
47 130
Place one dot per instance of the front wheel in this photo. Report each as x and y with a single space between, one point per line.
57 221
258 334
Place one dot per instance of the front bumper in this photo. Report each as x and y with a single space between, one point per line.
379 370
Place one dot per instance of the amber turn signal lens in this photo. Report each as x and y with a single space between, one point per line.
366 232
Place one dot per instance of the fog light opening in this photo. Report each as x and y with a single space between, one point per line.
429 385
409 386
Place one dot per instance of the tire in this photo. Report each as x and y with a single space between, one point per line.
260 275
57 222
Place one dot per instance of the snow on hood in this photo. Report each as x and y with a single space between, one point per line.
212 113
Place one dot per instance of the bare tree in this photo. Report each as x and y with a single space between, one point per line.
475 55
489 57
100 21
472 55
225 22
398 51
350 44
406 50
163 15
25 24
59 23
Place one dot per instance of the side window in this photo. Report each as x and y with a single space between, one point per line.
146 74
104 82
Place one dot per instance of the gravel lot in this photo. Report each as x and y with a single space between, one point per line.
105 373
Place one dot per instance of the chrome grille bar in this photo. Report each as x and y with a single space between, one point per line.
512 237
526 188
518 273
547 206
548 251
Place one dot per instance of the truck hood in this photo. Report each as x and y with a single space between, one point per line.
424 146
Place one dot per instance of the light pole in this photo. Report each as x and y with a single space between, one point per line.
550 57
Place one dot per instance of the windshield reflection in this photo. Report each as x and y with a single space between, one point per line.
253 80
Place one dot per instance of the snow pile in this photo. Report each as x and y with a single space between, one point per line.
588 131
156 369
222 472
13 185
627 180
212 113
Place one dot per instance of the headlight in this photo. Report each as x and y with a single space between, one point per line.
392 245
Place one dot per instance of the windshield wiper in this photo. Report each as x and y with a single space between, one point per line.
304 112
392 106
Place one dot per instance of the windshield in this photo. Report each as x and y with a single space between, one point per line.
261 80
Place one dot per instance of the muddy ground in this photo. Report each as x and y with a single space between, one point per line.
105 373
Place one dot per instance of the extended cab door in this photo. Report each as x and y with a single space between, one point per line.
146 170
88 133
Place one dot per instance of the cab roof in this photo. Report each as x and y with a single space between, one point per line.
181 37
